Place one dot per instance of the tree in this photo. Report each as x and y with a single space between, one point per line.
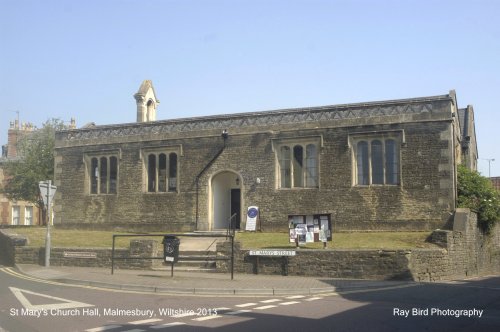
35 163
476 193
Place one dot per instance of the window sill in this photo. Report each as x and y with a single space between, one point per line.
97 195
298 188
377 186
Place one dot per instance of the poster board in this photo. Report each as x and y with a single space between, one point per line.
252 216
310 228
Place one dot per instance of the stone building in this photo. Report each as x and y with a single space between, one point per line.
388 165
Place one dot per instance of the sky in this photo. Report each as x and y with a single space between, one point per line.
86 59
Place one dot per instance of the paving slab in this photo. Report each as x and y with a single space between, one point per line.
201 283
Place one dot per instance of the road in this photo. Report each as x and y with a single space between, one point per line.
30 304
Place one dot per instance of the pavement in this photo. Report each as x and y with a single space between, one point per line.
200 283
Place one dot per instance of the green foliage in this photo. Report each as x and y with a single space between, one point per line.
35 163
476 193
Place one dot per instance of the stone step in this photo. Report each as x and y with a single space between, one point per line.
197 253
200 264
178 268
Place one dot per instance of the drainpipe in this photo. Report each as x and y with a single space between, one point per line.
224 135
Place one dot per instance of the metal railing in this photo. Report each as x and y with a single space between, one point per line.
225 258
231 225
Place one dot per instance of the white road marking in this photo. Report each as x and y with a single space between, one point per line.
313 299
244 305
66 304
187 314
265 307
237 312
295 297
167 325
201 319
103 328
145 321
289 303
270 301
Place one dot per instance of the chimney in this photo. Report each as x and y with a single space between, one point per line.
12 140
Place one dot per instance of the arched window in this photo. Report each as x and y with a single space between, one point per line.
298 162
150 107
103 175
377 162
284 161
113 174
152 173
363 163
94 175
161 172
298 166
172 172
391 162
311 166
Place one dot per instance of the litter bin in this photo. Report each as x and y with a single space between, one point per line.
171 248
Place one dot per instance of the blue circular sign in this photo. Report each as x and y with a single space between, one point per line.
253 212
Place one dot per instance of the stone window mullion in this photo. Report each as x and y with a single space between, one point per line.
157 171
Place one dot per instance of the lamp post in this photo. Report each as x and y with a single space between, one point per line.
489 165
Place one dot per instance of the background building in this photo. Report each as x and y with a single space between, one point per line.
16 212
495 181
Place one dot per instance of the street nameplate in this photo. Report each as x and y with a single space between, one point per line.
79 254
272 253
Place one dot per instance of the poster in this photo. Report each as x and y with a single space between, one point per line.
309 237
252 215
324 224
309 228
322 235
301 231
309 220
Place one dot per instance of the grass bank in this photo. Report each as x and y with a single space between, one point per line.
250 240
358 240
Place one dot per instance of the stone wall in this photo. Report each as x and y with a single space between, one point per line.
463 252
466 251
8 245
137 256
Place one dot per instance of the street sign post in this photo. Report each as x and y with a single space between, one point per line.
47 191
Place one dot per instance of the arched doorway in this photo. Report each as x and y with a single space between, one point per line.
226 199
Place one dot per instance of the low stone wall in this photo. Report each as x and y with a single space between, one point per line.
8 243
137 256
464 252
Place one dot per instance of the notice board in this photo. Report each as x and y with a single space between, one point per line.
310 228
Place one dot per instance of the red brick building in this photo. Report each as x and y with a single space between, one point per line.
496 182
15 212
